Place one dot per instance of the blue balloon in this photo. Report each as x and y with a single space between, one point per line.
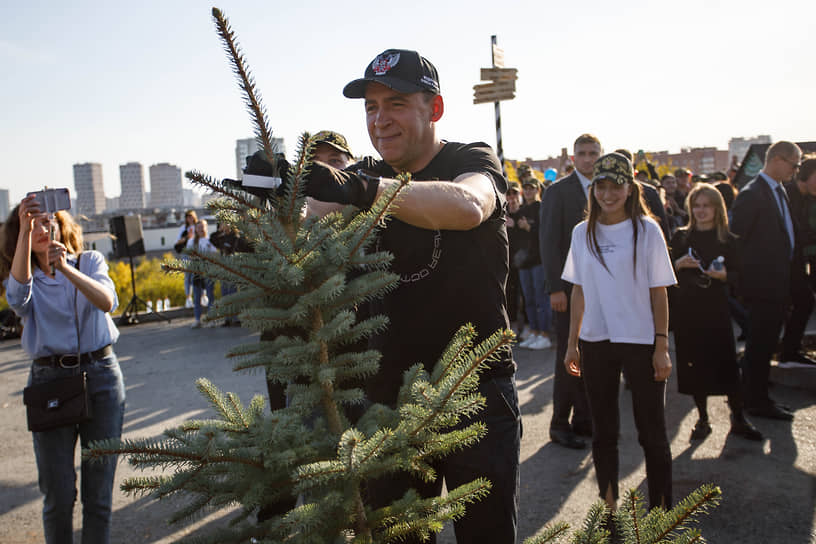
550 174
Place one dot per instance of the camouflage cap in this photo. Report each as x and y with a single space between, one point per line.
614 167
334 139
514 186
531 181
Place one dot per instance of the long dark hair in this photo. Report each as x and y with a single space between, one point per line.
635 209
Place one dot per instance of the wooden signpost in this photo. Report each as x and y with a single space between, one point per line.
502 86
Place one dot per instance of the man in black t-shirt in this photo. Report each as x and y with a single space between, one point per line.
449 241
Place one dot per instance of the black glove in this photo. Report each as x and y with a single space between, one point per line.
328 184
258 165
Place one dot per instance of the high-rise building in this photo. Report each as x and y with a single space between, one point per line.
4 204
191 199
131 176
248 146
165 186
90 191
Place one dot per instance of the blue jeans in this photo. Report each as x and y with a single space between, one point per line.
536 298
494 519
228 288
55 449
209 287
188 283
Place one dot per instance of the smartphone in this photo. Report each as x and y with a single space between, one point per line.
53 200
693 255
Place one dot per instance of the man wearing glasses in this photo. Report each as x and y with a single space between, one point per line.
771 272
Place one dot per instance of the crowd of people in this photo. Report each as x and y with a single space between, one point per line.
603 263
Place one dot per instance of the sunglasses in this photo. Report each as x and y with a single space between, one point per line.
796 165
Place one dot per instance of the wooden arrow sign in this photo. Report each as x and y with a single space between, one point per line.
494 92
499 74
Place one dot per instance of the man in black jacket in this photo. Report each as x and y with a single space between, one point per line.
771 271
562 208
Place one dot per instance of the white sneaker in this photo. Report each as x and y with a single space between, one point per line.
526 343
196 325
534 341
541 342
526 333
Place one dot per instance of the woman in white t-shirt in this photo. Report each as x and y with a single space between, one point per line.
620 268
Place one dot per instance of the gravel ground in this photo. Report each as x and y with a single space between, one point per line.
769 488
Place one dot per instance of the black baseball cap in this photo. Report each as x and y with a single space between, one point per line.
400 69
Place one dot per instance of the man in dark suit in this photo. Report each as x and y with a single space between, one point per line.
561 209
770 270
801 192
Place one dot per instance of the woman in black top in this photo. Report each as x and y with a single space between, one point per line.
531 271
517 239
705 260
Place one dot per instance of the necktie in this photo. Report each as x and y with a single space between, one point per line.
786 218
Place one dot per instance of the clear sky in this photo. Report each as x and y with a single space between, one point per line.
114 82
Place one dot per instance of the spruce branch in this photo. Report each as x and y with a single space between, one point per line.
486 350
159 455
216 186
377 214
196 267
550 533
633 512
247 83
294 189
699 501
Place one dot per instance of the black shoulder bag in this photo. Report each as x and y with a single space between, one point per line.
59 402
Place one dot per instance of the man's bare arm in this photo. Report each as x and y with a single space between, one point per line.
462 205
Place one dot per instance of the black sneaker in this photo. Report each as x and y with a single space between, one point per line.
800 358
701 430
744 428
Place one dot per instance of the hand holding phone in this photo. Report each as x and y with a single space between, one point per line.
52 200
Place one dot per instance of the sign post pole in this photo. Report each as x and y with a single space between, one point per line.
497 107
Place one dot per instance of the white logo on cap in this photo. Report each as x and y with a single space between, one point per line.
383 63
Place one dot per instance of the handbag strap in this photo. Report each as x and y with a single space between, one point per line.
76 314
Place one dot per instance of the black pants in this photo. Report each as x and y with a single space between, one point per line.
765 319
801 307
569 394
513 293
601 364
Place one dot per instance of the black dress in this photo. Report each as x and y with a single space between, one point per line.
703 335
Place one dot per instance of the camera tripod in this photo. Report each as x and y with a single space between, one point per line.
131 314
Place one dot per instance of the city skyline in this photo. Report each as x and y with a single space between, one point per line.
637 74
245 146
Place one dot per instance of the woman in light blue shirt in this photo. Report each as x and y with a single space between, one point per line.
64 311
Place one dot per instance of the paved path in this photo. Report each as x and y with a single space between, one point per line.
769 487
